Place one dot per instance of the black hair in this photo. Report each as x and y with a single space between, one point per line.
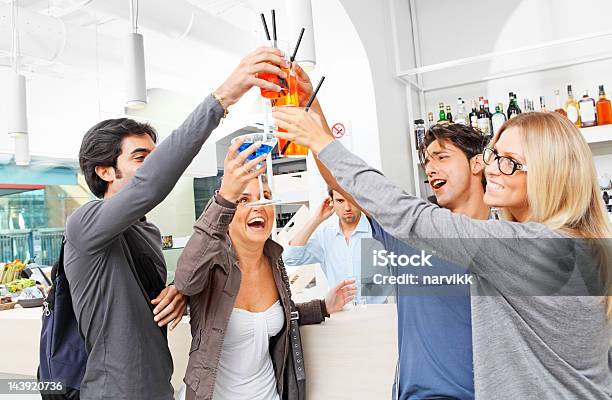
466 138
101 146
330 191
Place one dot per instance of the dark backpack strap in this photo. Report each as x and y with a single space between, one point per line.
56 270
58 267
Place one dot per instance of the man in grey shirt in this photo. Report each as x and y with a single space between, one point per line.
128 354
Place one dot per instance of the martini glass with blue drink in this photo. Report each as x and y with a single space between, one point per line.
268 141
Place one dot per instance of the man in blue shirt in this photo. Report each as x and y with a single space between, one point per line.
435 332
337 247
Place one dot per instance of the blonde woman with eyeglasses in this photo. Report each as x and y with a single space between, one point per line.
529 341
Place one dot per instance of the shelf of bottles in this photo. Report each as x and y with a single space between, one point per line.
593 117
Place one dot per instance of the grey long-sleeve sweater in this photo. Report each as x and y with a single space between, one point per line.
129 357
525 347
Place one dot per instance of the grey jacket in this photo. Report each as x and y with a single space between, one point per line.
208 271
525 347
129 357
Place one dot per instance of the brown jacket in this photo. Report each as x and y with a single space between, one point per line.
208 272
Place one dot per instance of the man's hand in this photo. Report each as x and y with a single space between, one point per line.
305 88
171 305
325 210
307 128
244 77
341 294
237 171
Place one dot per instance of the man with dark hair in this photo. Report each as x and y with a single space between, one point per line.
102 146
462 137
113 258
435 331
335 247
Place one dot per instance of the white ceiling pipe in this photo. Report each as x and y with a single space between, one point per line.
46 41
182 20
299 13
49 40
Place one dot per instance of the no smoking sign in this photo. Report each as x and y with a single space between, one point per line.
338 130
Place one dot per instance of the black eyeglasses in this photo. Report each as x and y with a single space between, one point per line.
507 166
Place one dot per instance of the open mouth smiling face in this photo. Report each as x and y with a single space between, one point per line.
437 183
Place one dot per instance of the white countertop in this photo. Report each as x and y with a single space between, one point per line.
350 356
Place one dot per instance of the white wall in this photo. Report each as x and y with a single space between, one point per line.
373 21
348 93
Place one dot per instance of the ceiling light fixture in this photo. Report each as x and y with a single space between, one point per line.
136 83
18 117
300 14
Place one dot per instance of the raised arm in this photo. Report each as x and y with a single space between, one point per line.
323 212
492 249
306 246
94 226
209 243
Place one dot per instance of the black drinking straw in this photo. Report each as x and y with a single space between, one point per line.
274 27
314 94
265 25
312 98
297 45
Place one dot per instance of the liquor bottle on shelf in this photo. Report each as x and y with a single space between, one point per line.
489 115
572 107
588 117
449 115
419 132
498 119
484 122
462 116
528 104
430 120
510 95
474 115
543 104
559 109
442 114
516 104
604 109
513 108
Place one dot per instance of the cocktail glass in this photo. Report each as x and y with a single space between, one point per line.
268 141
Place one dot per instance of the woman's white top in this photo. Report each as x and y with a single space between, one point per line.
245 368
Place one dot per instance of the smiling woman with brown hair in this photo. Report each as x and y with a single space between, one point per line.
239 294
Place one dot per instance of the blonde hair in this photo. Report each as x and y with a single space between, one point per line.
562 189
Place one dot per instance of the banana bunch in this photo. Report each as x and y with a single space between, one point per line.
11 271
20 284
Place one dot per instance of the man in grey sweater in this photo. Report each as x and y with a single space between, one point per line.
128 354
